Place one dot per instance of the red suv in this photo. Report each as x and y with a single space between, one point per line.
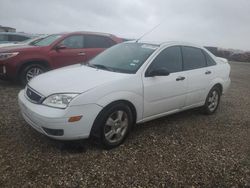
57 50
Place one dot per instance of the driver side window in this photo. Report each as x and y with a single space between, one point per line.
169 59
75 41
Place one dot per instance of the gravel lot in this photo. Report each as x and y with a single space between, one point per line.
186 149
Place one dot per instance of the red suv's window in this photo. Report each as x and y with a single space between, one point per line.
75 41
92 41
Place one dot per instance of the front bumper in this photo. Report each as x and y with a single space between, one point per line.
3 75
6 72
43 118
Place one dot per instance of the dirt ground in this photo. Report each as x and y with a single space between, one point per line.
186 149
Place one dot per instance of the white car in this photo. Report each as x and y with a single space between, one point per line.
130 83
23 43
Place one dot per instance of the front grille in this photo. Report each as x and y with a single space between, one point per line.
33 96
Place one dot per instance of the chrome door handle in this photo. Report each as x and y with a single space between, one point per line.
180 78
81 53
208 72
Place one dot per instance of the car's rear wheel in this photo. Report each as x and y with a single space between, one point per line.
31 71
212 101
113 125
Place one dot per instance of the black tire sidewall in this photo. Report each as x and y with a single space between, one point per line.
26 69
103 118
206 109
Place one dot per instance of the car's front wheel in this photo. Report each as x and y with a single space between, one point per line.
31 71
113 125
212 101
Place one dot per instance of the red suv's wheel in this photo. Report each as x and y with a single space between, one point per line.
31 71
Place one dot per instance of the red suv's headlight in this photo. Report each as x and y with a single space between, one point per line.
7 55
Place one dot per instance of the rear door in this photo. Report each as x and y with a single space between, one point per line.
194 64
165 93
95 44
73 52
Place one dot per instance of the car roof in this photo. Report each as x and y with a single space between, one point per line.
181 43
167 43
87 33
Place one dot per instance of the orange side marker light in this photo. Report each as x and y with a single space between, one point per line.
74 118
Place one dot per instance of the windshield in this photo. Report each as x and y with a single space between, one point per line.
125 57
47 40
36 40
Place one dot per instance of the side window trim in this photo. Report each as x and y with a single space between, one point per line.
205 57
182 60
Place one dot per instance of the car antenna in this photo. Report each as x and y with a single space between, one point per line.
148 32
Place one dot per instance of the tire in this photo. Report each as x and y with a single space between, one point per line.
112 125
26 72
212 101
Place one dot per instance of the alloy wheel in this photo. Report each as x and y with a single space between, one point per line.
116 126
213 100
33 72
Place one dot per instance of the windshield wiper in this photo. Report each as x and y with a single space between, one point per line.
98 66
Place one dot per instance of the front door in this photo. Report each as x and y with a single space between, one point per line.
71 52
165 93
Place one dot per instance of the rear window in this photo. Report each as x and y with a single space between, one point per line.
193 58
210 61
93 41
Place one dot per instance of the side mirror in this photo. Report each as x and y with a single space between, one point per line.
157 72
60 47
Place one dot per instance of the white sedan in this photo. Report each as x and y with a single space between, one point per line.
130 83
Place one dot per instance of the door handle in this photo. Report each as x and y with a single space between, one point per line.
208 72
180 78
81 53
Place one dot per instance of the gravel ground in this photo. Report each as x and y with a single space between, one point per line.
186 149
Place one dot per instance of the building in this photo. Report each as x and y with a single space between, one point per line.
7 29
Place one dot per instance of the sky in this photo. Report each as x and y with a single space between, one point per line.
222 23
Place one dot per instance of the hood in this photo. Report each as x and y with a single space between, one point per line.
73 79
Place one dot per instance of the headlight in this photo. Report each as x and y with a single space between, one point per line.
4 56
59 100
